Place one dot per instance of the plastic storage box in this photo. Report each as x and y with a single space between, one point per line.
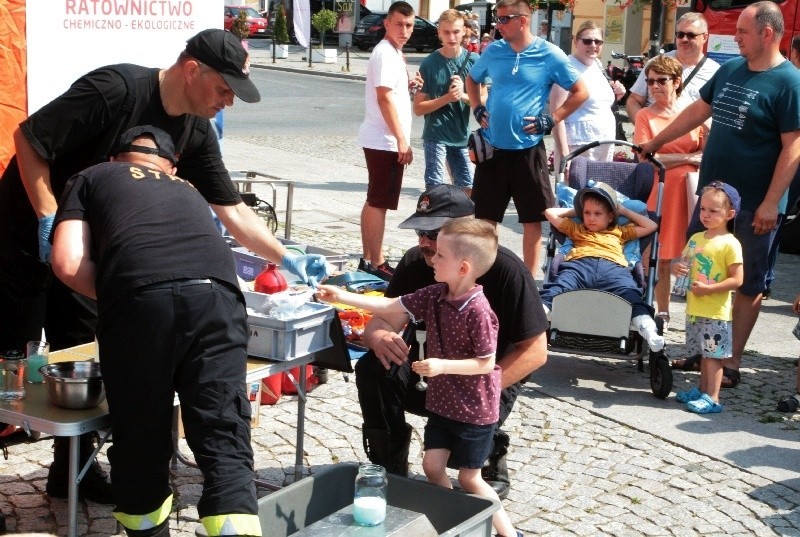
287 339
309 500
250 265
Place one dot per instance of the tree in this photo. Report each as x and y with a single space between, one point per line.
240 28
323 20
281 31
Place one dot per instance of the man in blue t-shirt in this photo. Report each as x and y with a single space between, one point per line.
523 69
754 145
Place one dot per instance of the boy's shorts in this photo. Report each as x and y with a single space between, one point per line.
713 337
469 444
385 178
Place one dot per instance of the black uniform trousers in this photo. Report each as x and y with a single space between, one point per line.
189 338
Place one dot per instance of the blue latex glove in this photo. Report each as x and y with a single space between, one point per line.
544 123
45 227
311 268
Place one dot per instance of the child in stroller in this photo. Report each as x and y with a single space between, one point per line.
597 260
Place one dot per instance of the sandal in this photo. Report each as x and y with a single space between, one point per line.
692 363
790 404
730 378
704 405
688 395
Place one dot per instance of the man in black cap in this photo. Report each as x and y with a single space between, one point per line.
77 130
384 378
171 319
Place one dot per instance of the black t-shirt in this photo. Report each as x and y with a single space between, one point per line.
508 285
78 129
146 227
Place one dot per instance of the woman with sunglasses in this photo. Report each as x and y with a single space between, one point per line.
593 120
663 76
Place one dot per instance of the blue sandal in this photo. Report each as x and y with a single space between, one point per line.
704 405
688 395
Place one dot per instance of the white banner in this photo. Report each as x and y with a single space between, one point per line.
301 15
70 38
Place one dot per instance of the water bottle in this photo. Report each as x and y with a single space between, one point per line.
682 283
369 503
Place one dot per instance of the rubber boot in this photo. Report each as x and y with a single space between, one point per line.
495 471
390 453
94 486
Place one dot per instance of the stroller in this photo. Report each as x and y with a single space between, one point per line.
573 327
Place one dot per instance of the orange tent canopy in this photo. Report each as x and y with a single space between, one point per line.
13 69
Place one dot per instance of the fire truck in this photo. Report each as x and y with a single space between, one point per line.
722 16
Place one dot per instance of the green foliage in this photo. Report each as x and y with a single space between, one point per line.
281 30
240 28
323 20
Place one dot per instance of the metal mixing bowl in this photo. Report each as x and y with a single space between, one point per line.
74 385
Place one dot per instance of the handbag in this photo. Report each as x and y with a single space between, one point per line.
480 150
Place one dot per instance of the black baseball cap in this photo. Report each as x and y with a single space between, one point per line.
436 206
223 52
164 146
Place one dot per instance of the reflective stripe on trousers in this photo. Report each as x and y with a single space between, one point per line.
146 521
233 524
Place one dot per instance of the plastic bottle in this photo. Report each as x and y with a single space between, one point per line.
682 283
270 280
369 503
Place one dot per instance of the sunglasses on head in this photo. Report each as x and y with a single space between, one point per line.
505 19
587 41
661 81
430 234
687 35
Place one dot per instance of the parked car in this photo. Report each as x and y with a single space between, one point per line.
258 24
370 30
316 6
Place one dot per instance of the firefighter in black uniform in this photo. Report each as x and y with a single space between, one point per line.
171 318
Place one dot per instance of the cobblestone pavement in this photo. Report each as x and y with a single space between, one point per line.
593 453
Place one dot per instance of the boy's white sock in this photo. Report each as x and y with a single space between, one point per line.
646 326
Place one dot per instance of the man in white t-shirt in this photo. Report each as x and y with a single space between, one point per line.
690 38
385 134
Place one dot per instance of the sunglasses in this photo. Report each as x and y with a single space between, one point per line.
505 19
588 41
687 35
431 234
662 81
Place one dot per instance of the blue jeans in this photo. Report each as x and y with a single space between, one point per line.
599 274
436 153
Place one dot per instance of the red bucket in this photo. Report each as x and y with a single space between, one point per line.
287 386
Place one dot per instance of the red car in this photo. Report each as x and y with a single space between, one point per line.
257 23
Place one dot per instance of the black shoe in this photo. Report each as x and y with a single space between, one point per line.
94 486
383 271
363 265
495 471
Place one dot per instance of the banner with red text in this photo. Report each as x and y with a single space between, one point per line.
67 38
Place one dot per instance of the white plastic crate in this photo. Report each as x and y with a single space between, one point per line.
276 339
